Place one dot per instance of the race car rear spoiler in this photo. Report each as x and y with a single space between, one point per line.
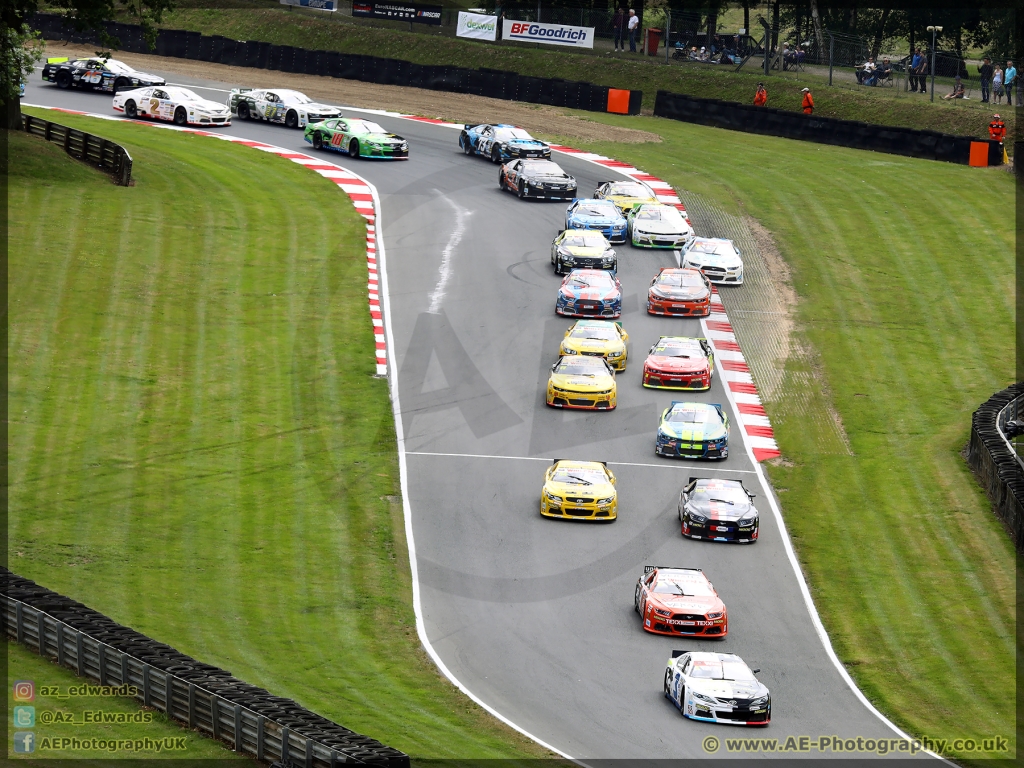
56 60
676 654
649 568
603 463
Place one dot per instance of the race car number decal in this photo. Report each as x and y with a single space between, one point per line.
337 138
93 77
154 106
270 111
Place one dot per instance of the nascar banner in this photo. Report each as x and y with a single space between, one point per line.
421 14
477 26
320 5
552 34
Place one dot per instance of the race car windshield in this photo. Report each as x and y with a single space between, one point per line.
577 367
364 126
584 241
504 134
719 248
579 476
183 94
597 209
629 189
693 416
683 587
726 495
601 334
543 169
721 670
118 66
680 280
298 98
668 215
678 349
591 281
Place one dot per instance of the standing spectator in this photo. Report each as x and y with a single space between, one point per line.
499 13
997 83
1010 82
985 76
916 62
808 103
633 23
761 97
866 71
997 129
619 25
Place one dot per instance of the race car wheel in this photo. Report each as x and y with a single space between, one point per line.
318 141
291 120
668 680
243 110
522 195
63 79
636 599
495 155
130 110
353 148
119 84
465 143
180 116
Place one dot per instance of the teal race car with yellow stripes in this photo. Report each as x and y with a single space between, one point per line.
693 431
356 137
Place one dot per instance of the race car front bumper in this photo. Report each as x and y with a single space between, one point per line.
720 530
657 306
611 234
547 192
719 275
656 379
588 308
568 510
558 397
652 240
759 716
701 449
694 626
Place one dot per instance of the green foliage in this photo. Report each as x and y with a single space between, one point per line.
20 50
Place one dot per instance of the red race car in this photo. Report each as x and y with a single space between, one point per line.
679 292
679 601
678 362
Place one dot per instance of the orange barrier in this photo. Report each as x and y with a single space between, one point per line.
979 154
618 101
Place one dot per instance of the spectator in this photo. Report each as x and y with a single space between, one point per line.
957 92
1010 82
997 83
761 97
997 129
808 103
916 65
792 57
866 71
499 12
883 72
632 25
619 26
985 78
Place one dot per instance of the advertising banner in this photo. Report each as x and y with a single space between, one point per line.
552 34
320 5
421 14
477 26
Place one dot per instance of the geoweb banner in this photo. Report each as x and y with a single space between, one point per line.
552 34
477 26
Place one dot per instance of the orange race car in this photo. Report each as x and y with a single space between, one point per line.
680 292
679 601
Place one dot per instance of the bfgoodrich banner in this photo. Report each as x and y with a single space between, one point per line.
552 34
477 26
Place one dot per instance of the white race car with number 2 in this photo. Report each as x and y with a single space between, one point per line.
716 688
177 105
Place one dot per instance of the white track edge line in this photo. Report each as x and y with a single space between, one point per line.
544 458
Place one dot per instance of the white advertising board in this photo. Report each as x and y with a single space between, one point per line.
552 34
477 26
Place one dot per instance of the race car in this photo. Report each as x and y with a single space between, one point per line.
679 292
589 293
597 338
579 490
717 258
603 215
96 73
693 431
582 382
177 105
501 142
656 225
678 362
716 688
581 248
679 601
719 510
357 138
625 194
279 105
542 179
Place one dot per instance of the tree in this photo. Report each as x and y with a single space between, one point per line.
22 48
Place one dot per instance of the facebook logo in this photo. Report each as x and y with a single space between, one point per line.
24 741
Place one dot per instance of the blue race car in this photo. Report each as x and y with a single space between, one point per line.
501 143
693 431
589 293
602 215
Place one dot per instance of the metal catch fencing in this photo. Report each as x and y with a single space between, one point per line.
103 153
270 728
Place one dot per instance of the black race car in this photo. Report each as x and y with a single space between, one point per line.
719 510
542 179
97 74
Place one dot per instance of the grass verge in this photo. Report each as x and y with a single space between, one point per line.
94 720
904 324
199 448
268 21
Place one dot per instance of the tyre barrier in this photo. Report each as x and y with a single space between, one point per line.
493 83
996 464
270 728
928 145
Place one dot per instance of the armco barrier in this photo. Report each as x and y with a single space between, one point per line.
203 697
497 84
996 464
101 152
929 145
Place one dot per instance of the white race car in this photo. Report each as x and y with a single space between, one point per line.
657 225
716 688
279 105
717 258
177 105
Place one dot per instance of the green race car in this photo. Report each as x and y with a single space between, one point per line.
693 431
358 138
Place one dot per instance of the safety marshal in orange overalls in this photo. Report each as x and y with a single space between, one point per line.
997 129
761 97
808 104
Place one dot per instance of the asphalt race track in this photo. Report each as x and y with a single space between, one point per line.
535 616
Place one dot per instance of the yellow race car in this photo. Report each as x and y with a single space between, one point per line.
625 194
579 490
579 381
597 338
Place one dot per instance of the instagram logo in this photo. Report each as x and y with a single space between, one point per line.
24 690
